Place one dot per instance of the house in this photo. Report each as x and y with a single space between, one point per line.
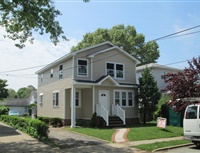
158 71
33 97
21 105
100 78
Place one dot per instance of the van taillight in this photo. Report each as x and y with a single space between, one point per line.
185 114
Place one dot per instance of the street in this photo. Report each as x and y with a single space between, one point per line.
188 149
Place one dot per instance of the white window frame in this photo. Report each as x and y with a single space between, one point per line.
41 77
127 97
81 75
79 98
51 73
56 92
60 72
115 70
41 98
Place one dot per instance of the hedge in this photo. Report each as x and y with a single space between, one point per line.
34 128
54 121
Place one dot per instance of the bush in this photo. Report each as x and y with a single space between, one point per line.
93 121
34 128
4 110
54 121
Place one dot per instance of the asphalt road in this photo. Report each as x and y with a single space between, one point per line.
188 149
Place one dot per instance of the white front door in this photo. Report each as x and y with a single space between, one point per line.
104 99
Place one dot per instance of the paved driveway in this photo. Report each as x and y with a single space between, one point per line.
14 141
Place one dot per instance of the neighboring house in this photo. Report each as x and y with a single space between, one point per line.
33 97
21 105
101 79
158 72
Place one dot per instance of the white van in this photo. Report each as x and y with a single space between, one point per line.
191 124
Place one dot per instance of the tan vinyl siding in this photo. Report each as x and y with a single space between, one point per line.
67 73
114 56
46 108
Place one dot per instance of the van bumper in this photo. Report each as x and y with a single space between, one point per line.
192 138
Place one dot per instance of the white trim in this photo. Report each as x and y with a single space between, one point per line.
120 98
41 94
119 49
73 68
54 92
73 110
91 63
51 73
115 69
79 98
108 100
108 77
60 71
93 99
78 67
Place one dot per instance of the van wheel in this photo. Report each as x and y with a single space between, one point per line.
197 144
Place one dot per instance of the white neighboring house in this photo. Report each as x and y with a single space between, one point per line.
158 72
33 97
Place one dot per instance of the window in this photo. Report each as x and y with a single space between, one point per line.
41 77
51 73
82 67
41 98
191 112
56 99
115 70
78 98
60 72
124 98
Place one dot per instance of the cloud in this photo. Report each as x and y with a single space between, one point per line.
40 53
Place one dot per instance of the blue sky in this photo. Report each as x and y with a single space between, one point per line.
153 19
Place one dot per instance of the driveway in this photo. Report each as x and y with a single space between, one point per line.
12 141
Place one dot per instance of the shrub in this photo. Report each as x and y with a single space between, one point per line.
93 120
54 121
34 128
4 110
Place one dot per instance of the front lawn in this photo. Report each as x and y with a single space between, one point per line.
153 132
141 132
157 145
105 134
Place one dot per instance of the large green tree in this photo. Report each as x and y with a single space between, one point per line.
3 90
12 93
149 94
126 38
21 18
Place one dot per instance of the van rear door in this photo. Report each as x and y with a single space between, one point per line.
191 121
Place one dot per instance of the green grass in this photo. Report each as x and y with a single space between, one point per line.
153 132
105 134
157 145
141 132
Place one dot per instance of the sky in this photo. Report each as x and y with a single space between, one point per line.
152 18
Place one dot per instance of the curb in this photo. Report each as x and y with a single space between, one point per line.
173 147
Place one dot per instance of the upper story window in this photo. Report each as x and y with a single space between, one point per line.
60 72
82 67
51 73
41 77
56 98
115 70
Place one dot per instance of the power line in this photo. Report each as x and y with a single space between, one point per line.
176 33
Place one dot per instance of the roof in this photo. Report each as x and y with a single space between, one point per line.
103 78
155 65
69 55
15 102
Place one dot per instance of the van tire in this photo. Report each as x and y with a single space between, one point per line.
197 144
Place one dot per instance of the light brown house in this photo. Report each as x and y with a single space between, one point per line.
100 79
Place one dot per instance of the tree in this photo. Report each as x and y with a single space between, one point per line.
23 92
148 95
3 90
185 84
21 17
12 93
126 38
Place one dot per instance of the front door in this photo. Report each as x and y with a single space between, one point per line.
104 99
